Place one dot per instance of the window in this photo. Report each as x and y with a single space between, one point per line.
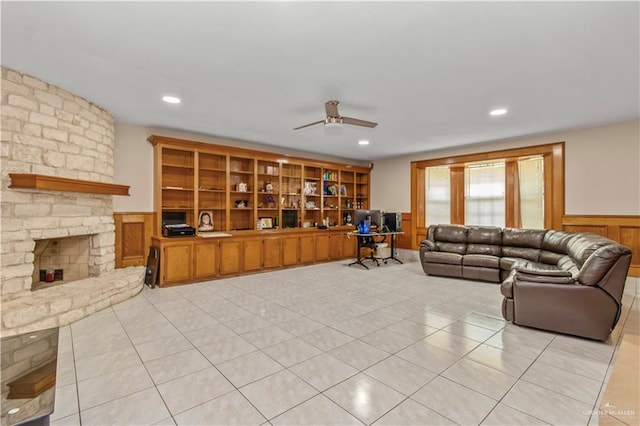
518 187
438 195
484 194
531 188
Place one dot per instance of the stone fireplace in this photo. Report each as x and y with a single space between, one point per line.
47 131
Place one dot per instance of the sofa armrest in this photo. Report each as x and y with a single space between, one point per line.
429 245
545 278
543 272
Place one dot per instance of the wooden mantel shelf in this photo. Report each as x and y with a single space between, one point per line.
55 183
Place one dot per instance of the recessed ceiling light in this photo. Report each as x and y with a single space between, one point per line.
363 142
500 111
171 99
13 410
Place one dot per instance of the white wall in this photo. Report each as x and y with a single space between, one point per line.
134 167
602 170
134 161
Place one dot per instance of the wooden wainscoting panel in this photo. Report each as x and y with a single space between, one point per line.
133 238
404 241
630 237
596 229
623 229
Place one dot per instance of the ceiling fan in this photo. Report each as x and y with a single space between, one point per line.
335 120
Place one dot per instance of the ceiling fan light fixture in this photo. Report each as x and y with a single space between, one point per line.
333 129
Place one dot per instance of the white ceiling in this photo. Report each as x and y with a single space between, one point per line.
427 72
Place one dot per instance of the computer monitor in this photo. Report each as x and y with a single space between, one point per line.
373 216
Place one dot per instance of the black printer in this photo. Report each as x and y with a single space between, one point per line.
179 230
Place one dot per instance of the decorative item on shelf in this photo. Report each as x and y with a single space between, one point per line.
205 221
310 205
343 190
346 218
242 203
330 189
266 222
242 187
268 187
310 188
348 204
271 202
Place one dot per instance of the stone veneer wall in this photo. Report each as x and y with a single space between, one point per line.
50 131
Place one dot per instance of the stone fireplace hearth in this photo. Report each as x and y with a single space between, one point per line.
49 131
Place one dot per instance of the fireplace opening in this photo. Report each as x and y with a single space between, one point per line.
60 260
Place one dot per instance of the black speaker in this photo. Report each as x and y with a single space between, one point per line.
393 222
289 218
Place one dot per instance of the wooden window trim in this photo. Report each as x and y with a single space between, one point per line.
553 157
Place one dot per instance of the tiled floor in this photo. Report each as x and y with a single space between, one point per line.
325 344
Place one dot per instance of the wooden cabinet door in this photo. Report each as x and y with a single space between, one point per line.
322 247
349 246
307 251
335 246
177 263
252 255
272 252
206 259
230 256
290 251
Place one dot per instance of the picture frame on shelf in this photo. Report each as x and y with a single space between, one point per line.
205 221
266 222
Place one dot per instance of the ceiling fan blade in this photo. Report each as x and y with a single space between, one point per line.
309 125
357 122
332 108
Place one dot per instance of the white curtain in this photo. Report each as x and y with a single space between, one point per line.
485 194
438 197
531 176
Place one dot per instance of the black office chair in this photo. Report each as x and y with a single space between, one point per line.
370 243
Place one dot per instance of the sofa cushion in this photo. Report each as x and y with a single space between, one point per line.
508 263
600 262
584 245
484 235
441 257
566 263
531 238
487 249
481 260
550 257
556 241
521 252
450 233
458 248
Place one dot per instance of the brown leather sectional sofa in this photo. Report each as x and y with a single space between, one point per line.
554 280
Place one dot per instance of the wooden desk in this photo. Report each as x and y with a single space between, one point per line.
368 240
